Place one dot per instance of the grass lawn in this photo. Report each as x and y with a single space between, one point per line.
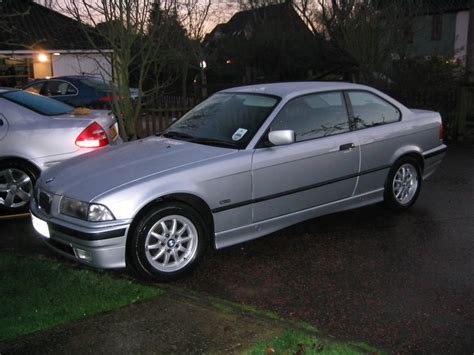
294 342
37 294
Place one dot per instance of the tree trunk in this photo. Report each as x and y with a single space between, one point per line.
470 45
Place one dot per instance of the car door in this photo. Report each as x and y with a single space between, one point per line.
320 167
60 90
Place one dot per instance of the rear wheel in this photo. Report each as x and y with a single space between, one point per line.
403 184
168 242
17 181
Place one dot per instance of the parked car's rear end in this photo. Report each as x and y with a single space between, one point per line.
36 133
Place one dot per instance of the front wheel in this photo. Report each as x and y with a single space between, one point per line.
167 243
16 187
403 184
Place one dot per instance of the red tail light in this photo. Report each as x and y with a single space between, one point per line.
93 136
441 132
105 99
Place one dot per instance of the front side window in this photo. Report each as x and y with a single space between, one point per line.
35 88
370 110
313 116
226 119
37 103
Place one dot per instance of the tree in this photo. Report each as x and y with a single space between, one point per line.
368 31
138 43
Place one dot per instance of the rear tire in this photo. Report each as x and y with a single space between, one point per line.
17 181
167 243
403 184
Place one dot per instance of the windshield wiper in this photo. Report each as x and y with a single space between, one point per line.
176 134
215 142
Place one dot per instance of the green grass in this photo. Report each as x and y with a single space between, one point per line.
293 342
38 294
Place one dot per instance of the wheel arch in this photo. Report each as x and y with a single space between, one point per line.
27 162
412 152
191 200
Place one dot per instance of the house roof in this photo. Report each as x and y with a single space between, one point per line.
283 13
27 25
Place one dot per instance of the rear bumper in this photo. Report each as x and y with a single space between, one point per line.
101 248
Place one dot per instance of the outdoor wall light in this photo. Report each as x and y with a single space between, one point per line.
42 57
56 53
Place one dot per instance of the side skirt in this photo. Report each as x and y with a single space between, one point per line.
252 231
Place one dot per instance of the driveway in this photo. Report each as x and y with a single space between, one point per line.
400 281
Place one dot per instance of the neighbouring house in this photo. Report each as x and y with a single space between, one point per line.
270 43
38 42
441 30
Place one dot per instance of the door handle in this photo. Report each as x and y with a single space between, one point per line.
347 146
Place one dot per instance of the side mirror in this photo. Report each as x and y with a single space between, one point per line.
282 137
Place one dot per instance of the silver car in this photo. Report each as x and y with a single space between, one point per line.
36 133
246 162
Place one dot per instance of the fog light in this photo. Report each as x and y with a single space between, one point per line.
82 254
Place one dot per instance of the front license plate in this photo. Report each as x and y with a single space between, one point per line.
113 131
40 226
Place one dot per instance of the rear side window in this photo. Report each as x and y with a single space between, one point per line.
59 88
313 116
37 103
370 110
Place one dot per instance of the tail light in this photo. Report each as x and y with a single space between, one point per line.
93 136
105 99
441 132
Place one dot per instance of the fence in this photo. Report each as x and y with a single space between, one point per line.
464 127
159 113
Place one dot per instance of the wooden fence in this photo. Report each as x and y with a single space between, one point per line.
160 112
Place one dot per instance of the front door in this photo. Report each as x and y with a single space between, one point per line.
320 167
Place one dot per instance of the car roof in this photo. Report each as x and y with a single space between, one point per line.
68 77
295 88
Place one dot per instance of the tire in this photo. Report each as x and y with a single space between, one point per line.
17 182
177 249
403 184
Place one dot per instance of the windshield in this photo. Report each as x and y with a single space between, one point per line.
227 120
37 103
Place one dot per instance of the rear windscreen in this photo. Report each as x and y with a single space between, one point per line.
37 103
97 84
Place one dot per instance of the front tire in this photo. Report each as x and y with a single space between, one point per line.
403 184
167 243
17 181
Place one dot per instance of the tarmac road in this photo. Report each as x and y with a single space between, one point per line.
401 281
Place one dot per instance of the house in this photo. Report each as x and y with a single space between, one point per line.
270 43
440 30
38 42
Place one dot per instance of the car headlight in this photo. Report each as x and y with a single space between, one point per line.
92 212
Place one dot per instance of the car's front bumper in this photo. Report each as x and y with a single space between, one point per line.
102 247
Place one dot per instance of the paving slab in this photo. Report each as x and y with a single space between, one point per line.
168 324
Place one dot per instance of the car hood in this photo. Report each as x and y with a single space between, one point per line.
90 175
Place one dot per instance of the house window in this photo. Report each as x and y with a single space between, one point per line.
436 27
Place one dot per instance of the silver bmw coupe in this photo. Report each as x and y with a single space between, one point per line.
244 163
